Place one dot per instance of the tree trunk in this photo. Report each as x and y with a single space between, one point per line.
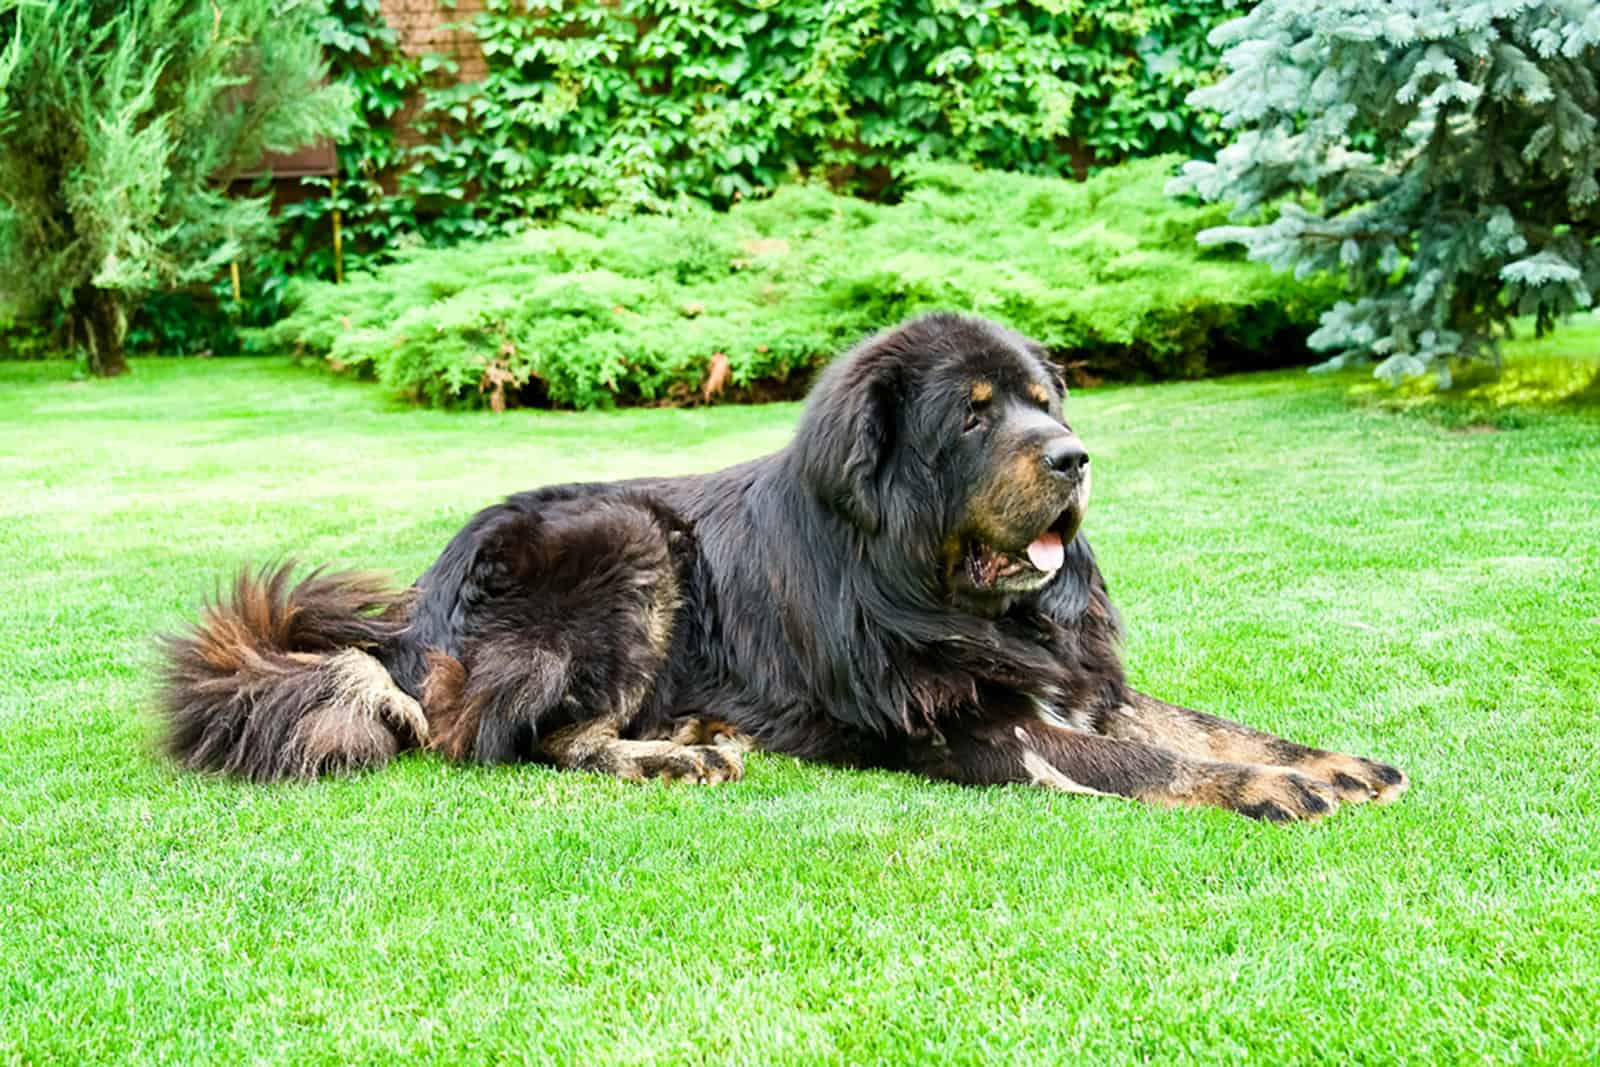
100 325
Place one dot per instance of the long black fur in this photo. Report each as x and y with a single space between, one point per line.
806 616
813 599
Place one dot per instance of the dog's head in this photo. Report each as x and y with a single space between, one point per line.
943 440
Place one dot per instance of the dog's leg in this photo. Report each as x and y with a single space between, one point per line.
1074 761
1193 733
570 627
489 708
490 712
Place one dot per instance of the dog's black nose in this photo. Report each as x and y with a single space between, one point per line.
1066 455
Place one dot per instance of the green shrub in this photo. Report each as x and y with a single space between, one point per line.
629 105
594 311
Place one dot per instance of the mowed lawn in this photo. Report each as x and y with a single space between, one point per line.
1376 582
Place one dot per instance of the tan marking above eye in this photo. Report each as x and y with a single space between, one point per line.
1040 394
982 392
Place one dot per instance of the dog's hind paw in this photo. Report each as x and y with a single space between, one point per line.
670 761
703 730
357 679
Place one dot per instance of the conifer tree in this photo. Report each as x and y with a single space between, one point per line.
1440 154
122 123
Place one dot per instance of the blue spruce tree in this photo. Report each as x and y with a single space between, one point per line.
1440 154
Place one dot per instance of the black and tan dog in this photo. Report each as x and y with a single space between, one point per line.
904 586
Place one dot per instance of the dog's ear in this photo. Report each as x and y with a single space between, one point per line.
1058 378
846 436
1051 367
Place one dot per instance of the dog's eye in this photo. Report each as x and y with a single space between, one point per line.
977 415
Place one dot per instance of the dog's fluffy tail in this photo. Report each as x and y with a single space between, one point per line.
282 680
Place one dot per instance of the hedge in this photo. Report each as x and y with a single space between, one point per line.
595 311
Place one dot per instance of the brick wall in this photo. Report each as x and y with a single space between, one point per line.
421 24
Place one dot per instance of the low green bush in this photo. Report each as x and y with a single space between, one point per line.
594 311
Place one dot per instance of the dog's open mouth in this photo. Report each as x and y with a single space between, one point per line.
1033 566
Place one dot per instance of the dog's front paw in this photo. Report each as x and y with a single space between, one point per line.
1358 780
1259 791
1274 794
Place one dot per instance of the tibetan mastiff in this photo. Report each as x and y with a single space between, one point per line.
904 586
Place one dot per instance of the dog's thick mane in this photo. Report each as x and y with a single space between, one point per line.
843 533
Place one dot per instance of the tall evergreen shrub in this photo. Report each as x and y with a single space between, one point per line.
122 123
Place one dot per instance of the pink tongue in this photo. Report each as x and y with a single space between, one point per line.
1046 554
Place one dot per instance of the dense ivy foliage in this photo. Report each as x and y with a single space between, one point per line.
634 104
671 308
375 214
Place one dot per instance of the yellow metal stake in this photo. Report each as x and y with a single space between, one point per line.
338 237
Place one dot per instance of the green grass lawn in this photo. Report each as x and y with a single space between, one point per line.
1356 577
